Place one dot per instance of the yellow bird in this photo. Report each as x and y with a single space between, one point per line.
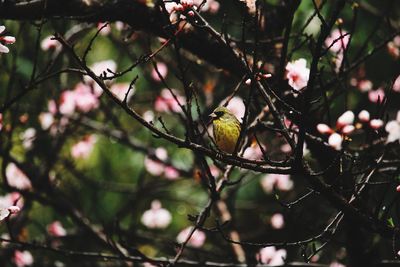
226 129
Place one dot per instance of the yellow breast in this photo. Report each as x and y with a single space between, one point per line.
226 134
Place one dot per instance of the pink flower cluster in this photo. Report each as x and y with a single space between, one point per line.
393 47
82 98
49 43
272 256
297 74
83 148
120 90
393 129
103 69
56 229
5 40
157 168
378 94
197 240
156 217
277 221
337 43
166 101
273 181
253 152
23 258
16 178
10 204
162 71
211 6
344 127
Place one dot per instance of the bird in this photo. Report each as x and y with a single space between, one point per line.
226 129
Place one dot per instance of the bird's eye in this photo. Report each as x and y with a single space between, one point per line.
219 113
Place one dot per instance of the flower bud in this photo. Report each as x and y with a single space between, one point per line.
345 119
363 116
335 140
324 129
376 124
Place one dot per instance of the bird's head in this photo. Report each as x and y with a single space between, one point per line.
221 113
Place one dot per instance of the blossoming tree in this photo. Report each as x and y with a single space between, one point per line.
105 136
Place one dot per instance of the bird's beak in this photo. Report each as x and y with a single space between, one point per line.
212 115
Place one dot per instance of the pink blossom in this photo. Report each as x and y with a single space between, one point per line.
324 129
396 85
23 258
148 115
297 73
52 106
364 116
337 41
348 129
286 148
236 106
196 240
120 90
11 199
56 229
376 95
1 121
171 173
154 167
100 69
398 190
336 264
16 178
156 217
85 99
281 182
46 120
50 43
215 172
167 103
253 152
211 6
4 213
106 30
346 118
27 137
4 40
67 102
172 7
335 140
8 205
14 209
277 221
393 49
161 153
365 85
119 25
83 148
157 168
162 69
393 129
272 256
376 123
